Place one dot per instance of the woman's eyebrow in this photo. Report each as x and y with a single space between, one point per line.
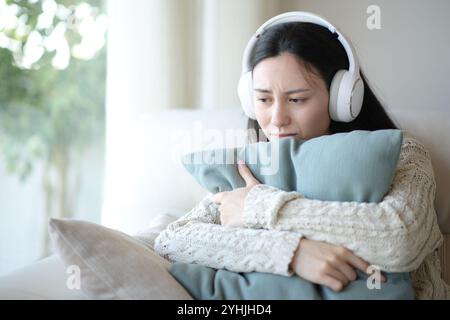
287 92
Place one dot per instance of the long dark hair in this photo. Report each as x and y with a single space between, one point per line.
316 46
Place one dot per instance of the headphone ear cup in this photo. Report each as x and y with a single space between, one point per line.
334 95
357 97
245 92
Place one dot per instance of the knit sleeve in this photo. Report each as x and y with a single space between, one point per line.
198 237
395 234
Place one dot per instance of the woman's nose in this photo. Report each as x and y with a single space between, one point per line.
280 116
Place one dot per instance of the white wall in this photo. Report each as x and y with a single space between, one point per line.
407 60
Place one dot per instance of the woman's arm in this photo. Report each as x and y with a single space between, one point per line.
395 234
198 237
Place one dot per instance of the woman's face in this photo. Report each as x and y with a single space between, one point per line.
289 99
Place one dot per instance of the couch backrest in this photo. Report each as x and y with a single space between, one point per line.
144 176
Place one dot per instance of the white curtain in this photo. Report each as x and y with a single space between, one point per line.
178 53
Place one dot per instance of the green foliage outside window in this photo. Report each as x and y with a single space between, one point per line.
52 91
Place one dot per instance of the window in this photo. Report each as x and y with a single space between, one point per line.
52 102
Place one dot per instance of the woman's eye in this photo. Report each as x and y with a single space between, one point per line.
298 100
267 100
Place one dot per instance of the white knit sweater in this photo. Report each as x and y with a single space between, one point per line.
399 234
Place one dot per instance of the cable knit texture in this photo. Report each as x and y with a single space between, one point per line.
399 234
198 237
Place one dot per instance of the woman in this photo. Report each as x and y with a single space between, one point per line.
282 232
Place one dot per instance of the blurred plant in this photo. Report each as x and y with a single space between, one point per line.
52 92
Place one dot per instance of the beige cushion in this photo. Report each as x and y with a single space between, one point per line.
112 264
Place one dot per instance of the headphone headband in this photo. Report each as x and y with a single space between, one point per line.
300 16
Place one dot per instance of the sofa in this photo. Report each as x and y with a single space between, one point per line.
145 181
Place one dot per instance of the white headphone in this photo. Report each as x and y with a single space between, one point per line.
347 87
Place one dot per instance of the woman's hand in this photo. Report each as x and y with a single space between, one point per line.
327 264
231 203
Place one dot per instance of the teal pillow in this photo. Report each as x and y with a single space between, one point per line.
354 166
204 283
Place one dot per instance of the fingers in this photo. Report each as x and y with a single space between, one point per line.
332 283
222 219
359 263
246 174
218 197
338 275
346 269
356 261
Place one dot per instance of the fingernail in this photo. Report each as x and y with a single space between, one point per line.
240 162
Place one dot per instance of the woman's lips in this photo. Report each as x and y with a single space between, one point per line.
282 135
